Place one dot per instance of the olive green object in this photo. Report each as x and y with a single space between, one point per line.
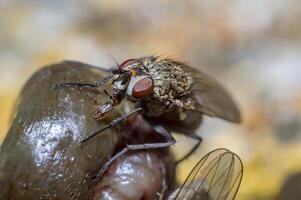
41 156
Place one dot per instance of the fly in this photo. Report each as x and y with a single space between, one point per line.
169 94
217 176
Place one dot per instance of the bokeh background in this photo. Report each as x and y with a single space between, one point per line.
253 47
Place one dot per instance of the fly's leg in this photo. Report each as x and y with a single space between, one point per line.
114 123
99 111
194 148
159 129
187 105
73 85
82 85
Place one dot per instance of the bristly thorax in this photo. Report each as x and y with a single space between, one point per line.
170 80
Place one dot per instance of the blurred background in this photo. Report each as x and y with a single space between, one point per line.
253 47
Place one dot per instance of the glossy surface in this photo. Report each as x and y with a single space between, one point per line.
41 157
135 176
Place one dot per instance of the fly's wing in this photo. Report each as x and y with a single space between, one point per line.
209 97
217 176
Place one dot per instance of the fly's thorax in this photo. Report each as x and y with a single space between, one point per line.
170 80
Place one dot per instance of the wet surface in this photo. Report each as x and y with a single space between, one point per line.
41 157
136 175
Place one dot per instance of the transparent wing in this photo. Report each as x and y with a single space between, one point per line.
211 97
217 176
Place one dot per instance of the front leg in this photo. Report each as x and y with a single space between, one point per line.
99 111
83 85
114 123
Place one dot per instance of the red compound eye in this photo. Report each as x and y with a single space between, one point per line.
143 88
127 62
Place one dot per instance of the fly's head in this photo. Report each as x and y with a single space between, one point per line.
132 80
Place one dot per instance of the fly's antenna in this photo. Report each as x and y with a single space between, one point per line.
115 61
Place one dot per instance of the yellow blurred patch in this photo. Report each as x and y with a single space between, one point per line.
7 102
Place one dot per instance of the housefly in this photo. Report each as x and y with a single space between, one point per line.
169 94
217 176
